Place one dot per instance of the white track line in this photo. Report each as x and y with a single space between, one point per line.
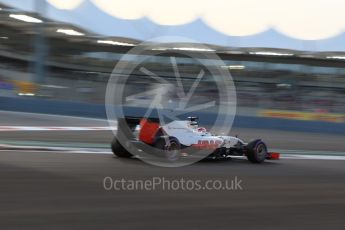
312 157
4 147
52 115
55 128
108 151
308 152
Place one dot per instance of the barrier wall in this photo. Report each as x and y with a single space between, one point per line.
303 116
98 111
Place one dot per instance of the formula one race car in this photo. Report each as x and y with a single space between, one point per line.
174 138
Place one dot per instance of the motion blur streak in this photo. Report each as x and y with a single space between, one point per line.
56 59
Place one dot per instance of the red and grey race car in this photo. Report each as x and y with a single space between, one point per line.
179 138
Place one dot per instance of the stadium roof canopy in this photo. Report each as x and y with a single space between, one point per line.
18 28
89 15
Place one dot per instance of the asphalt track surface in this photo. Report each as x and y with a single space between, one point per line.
62 190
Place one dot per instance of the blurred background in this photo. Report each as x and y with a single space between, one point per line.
57 56
287 60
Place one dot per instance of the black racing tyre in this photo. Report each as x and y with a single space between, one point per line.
170 146
119 150
256 151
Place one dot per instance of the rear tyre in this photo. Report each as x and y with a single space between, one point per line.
171 148
119 150
256 151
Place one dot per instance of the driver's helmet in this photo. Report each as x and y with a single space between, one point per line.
201 130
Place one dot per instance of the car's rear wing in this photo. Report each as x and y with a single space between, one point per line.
127 126
136 120
132 122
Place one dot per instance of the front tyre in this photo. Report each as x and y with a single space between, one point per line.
119 150
256 151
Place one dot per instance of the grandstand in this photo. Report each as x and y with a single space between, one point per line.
78 64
